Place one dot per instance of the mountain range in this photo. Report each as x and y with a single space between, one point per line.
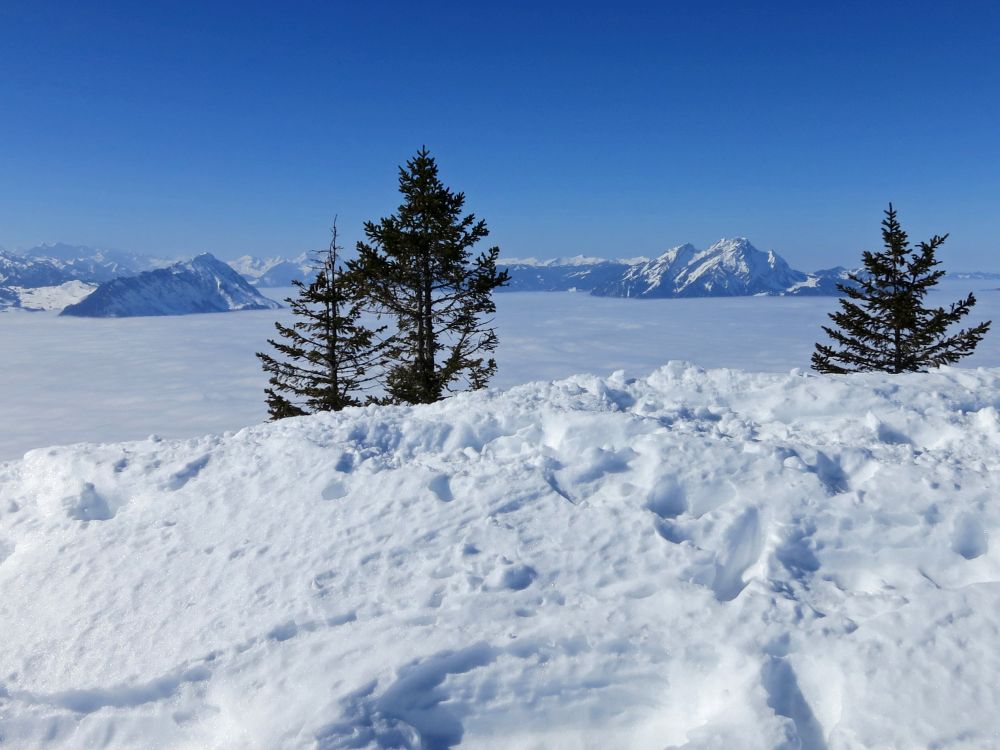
273 272
49 265
53 276
730 267
204 284
40 277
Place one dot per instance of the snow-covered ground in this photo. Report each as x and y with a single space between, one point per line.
54 297
696 559
66 380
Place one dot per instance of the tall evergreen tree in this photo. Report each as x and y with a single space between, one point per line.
418 268
883 324
327 358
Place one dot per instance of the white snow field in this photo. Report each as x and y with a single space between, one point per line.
693 559
65 380
54 297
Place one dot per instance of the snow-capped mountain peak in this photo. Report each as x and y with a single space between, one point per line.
18 270
734 266
729 267
273 272
665 266
203 284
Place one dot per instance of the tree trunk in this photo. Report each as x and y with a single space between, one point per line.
427 282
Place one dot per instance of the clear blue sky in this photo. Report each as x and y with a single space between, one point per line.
573 127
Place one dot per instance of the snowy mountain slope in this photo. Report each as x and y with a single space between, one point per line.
726 269
93 265
8 298
642 279
975 275
824 282
573 260
735 267
52 265
18 270
694 559
53 297
201 285
273 272
533 277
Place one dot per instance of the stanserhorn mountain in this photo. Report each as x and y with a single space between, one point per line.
201 285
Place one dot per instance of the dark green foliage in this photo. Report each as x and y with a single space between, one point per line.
327 357
417 267
883 325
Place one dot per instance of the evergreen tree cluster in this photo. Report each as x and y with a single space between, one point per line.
327 359
418 270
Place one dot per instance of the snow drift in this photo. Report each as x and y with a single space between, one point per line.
696 559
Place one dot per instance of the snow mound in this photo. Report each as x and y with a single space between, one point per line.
696 559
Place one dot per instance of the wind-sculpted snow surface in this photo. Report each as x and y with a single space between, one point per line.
697 559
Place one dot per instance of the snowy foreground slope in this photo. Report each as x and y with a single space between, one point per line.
699 559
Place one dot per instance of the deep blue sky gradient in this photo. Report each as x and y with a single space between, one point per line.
609 129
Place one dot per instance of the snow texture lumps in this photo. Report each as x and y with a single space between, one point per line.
696 559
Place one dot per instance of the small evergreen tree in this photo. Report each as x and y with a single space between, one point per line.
327 357
417 267
883 324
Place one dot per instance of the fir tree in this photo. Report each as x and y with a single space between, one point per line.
418 268
883 324
328 359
